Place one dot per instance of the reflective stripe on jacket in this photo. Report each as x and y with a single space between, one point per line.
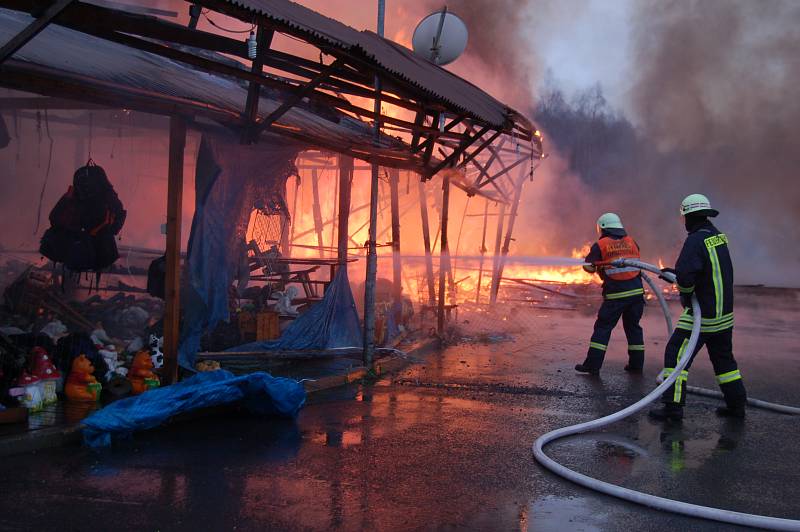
612 288
704 268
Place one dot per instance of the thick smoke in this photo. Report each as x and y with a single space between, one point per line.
712 108
717 95
500 35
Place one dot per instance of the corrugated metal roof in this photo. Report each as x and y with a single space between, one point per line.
386 54
74 55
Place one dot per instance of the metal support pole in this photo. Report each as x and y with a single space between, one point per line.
483 252
426 238
444 255
172 309
501 218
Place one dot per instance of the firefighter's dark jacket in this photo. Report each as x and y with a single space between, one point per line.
704 268
610 286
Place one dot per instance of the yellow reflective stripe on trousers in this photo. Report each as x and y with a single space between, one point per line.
685 289
628 293
676 396
596 345
707 325
707 322
729 377
719 295
635 347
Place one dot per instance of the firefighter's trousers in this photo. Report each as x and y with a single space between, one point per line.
720 350
630 309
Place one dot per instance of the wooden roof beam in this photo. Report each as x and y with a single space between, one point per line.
484 169
295 98
505 170
33 78
33 29
264 41
469 141
428 143
34 102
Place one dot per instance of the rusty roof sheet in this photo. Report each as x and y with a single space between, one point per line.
387 55
64 53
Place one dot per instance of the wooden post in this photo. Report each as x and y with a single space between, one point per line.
172 308
483 252
372 250
264 41
511 220
444 252
317 211
284 242
501 218
454 269
394 192
293 218
345 183
426 237
335 207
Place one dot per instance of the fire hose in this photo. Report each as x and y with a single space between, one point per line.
653 501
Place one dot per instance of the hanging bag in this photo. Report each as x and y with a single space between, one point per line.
84 223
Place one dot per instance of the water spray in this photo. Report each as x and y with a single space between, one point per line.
653 501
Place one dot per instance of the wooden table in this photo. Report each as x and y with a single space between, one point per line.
301 275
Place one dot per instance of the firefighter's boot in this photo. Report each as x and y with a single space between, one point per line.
583 368
668 412
737 411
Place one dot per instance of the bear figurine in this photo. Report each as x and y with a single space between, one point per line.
81 384
141 373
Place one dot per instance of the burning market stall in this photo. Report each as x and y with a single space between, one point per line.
257 108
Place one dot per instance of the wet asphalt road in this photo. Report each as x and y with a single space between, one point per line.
446 444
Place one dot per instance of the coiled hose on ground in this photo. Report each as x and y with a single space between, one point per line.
653 501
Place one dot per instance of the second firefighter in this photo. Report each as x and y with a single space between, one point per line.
623 296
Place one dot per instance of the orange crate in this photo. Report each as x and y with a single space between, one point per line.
267 326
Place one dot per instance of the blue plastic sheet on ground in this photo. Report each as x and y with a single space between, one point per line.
331 323
259 392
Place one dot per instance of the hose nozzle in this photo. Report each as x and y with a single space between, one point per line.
665 274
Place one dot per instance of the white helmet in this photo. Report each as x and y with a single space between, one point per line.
609 221
697 203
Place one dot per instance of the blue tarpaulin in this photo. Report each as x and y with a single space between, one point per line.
259 392
230 179
331 323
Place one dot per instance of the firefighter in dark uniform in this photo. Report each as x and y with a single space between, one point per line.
623 296
704 268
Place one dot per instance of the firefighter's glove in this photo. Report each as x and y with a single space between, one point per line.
686 300
667 270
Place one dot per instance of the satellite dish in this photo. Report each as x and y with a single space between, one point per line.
440 37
